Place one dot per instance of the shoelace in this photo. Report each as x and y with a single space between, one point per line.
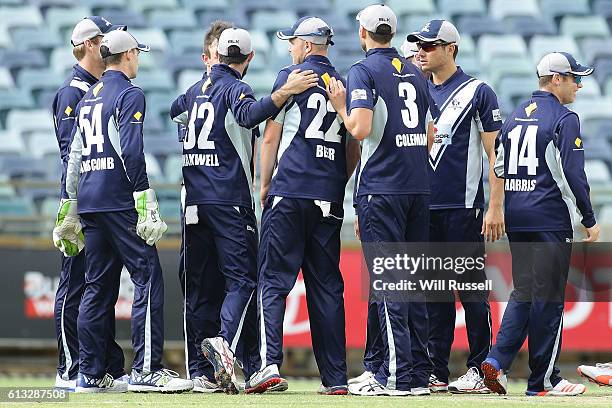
169 373
471 375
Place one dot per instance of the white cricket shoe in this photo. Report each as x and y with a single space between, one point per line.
366 375
264 380
164 381
218 352
204 385
87 384
494 377
435 385
60 383
563 388
600 373
469 383
370 387
420 391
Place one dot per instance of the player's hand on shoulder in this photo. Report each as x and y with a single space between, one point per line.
150 227
592 233
337 94
298 81
67 234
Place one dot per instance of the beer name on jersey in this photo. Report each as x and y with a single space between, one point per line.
519 185
201 159
411 139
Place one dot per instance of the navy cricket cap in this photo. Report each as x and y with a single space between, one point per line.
561 63
91 27
311 29
436 30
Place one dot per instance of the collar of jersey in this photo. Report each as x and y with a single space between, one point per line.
317 58
543 94
382 51
85 75
455 75
114 73
223 69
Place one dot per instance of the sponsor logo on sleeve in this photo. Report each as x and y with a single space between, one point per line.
359 95
496 115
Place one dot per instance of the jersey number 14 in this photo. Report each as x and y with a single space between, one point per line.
526 156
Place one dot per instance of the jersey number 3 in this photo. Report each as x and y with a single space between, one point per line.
205 111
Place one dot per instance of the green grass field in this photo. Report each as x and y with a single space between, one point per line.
302 393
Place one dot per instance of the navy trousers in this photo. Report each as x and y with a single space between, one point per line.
110 243
459 225
540 265
220 267
67 300
396 344
203 296
295 235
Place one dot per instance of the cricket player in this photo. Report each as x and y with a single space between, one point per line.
306 160
467 122
85 39
388 109
220 224
541 159
204 292
107 189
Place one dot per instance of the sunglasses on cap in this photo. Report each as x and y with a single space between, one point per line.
430 46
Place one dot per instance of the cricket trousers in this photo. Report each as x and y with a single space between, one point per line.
110 243
220 268
459 225
295 235
67 301
203 296
540 266
396 342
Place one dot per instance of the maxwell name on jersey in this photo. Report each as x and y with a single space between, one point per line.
208 159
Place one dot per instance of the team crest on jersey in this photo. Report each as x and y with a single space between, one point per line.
68 110
456 104
325 77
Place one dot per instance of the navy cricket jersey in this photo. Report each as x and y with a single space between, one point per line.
311 158
221 112
107 147
465 107
394 155
64 106
541 157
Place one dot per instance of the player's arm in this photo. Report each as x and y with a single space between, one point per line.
489 122
131 115
571 152
250 112
179 111
64 110
357 117
269 150
353 154
73 168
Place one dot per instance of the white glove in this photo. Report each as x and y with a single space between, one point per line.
67 234
150 226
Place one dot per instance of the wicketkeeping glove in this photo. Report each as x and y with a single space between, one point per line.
67 234
150 226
